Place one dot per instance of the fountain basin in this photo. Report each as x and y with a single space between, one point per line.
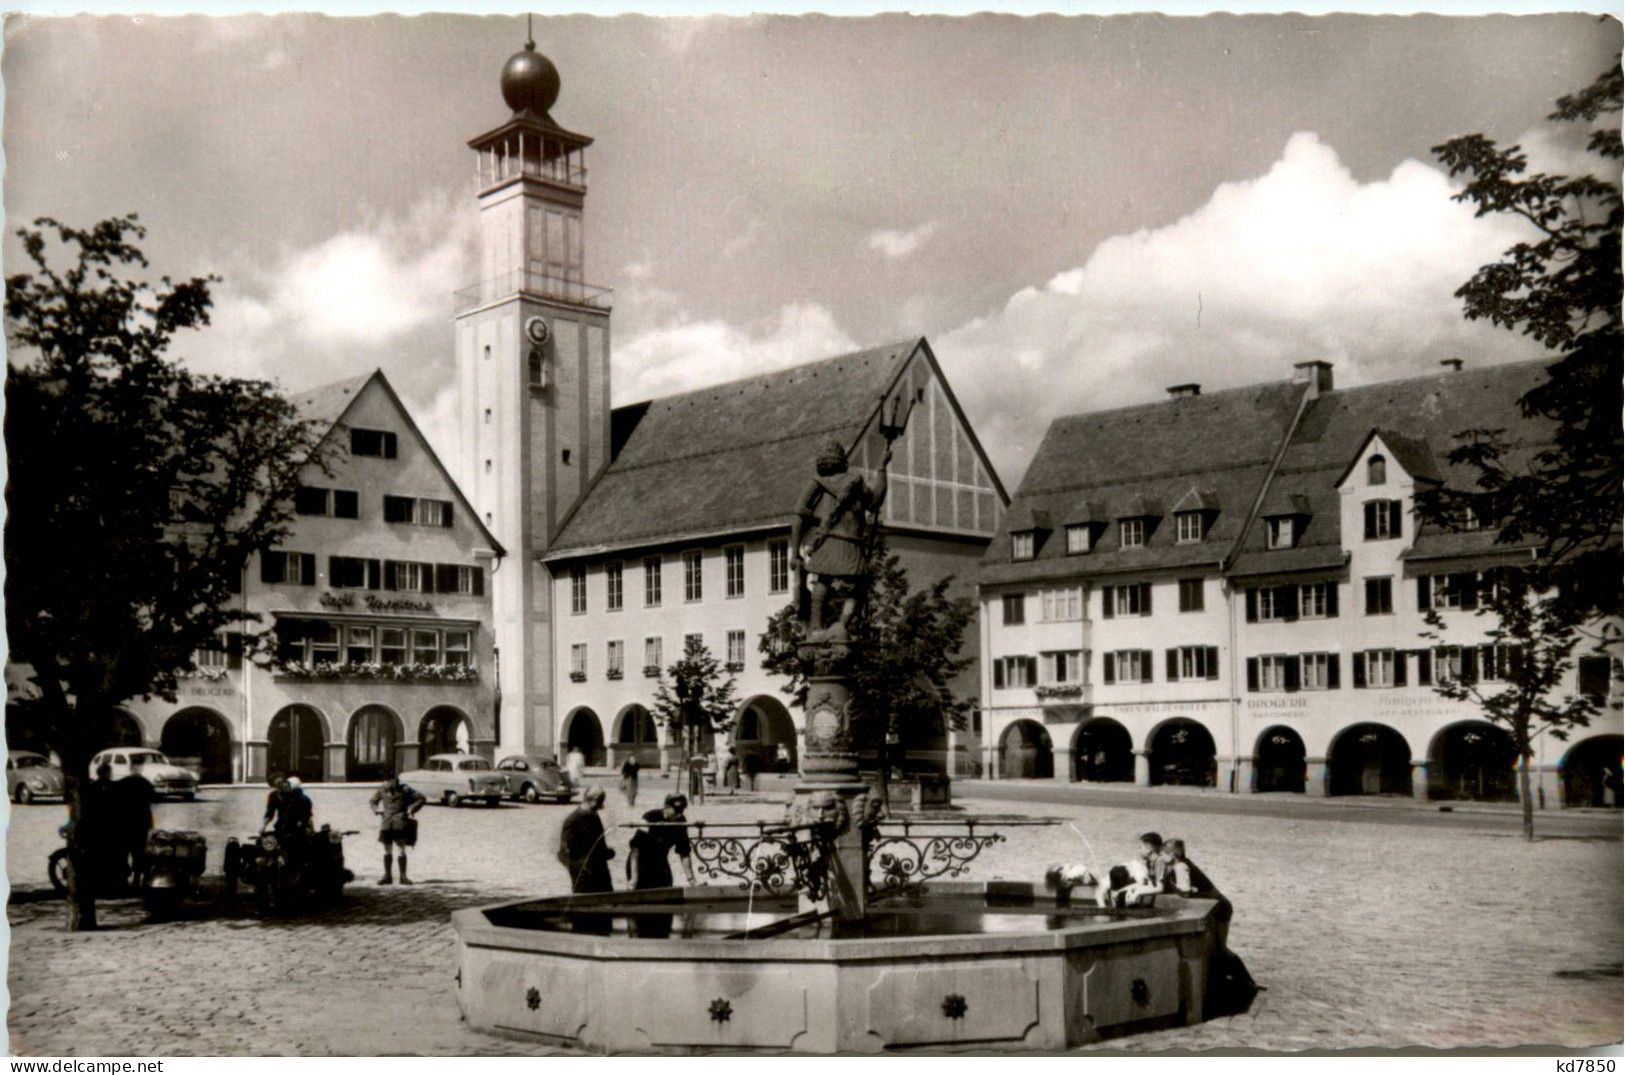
967 966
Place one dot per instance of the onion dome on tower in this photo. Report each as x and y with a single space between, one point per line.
530 82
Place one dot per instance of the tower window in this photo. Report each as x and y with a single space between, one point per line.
488 466
566 457
538 368
488 416
487 358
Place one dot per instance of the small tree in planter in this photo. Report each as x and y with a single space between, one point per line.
696 698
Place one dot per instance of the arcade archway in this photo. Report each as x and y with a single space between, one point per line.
1182 752
1103 752
294 742
375 732
1473 760
1025 752
444 729
198 738
1280 760
764 731
636 735
1369 759
1591 772
584 732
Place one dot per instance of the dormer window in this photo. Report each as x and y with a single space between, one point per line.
1281 531
1189 527
1021 545
1131 533
1078 540
1376 471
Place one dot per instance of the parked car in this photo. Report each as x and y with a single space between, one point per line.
452 778
166 777
31 776
532 779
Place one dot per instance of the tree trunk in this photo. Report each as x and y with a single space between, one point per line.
1528 798
84 868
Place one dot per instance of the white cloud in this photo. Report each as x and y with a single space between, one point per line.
684 353
900 244
1304 262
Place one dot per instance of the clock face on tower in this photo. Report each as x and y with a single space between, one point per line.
537 331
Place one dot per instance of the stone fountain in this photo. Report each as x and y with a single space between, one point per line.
834 930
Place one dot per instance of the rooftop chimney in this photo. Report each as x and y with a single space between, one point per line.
1317 375
1179 391
1451 364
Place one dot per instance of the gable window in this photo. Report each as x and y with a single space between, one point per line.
350 572
1060 604
1021 545
1131 600
1379 595
337 503
281 566
1376 471
1131 533
1077 540
778 567
733 560
1190 595
1383 520
1280 532
651 581
1015 608
418 511
1188 527
613 586
693 579
578 590
374 442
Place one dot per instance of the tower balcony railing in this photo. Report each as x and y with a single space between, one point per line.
541 284
497 167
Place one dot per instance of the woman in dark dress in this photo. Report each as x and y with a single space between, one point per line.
649 864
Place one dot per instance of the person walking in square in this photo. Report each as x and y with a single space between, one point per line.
585 853
629 779
397 806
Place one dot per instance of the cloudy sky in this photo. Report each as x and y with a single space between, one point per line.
1077 212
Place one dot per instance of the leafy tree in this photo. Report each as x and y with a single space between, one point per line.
137 490
906 650
1561 288
696 700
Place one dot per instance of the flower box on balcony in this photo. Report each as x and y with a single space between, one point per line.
1060 691
373 670
578 677
651 671
613 673
734 666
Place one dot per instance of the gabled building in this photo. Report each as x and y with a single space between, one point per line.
686 531
1318 676
380 603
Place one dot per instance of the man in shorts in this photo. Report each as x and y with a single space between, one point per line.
396 805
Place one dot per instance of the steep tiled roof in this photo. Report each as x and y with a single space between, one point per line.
1418 419
1114 464
327 403
730 457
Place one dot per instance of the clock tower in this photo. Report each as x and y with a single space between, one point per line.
533 377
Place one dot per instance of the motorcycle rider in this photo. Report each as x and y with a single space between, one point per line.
292 812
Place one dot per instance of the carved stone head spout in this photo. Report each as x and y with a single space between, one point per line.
831 459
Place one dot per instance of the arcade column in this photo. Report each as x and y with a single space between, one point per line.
1419 781
1063 773
1142 768
1316 777
334 762
254 761
1246 777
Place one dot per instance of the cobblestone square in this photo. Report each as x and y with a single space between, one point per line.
1365 935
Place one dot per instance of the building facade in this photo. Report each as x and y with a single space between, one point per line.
380 605
1231 590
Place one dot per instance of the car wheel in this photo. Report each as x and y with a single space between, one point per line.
529 793
232 866
60 870
189 796
24 795
453 799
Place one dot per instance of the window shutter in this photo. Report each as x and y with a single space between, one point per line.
1424 593
1359 671
1334 676
1395 519
1424 668
1173 666
1032 671
374 575
307 569
346 504
1146 675
445 514
1371 519
1468 589
389 446
1514 662
396 509
1291 678
1108 668
333 568
1286 599
1487 664
445 578
479 582
1252 673
998 674
1400 661
1252 604
1108 595
426 578
1331 600
1145 610
1469 664
1213 662
271 563
391 575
